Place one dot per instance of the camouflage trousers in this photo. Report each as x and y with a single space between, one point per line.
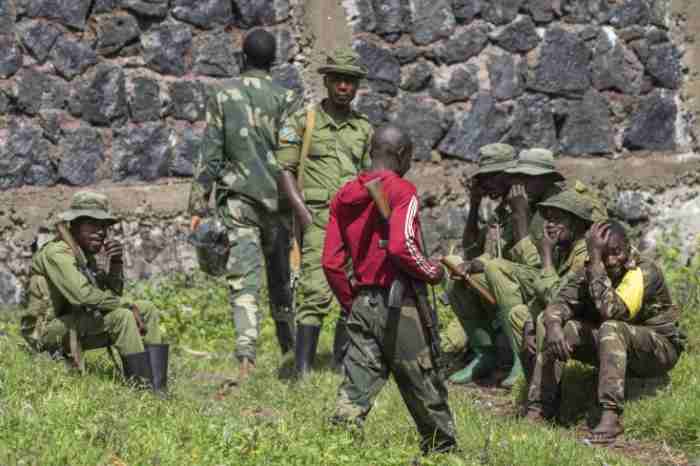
259 242
616 348
387 341
116 328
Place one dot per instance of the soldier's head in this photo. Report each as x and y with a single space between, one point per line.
341 76
616 254
568 215
259 48
89 217
535 170
494 160
391 149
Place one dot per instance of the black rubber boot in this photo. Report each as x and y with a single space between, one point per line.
285 335
137 368
307 341
158 356
341 341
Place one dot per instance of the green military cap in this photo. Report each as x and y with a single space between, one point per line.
344 60
573 202
536 162
88 204
600 212
495 158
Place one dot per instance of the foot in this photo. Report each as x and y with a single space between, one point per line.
245 369
481 365
535 415
515 373
608 429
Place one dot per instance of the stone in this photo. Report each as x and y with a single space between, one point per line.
464 44
629 33
533 123
141 153
631 206
517 37
10 288
71 58
587 129
541 11
105 6
653 124
104 98
631 12
405 54
50 121
115 31
484 123
188 100
205 14
82 155
6 104
432 21
288 75
505 76
72 13
656 36
8 15
660 13
500 11
148 8
425 121
27 160
641 49
286 45
456 83
416 77
10 56
381 64
185 152
361 15
563 66
585 11
251 13
38 37
166 47
617 68
664 65
393 17
373 104
144 99
214 54
466 10
37 91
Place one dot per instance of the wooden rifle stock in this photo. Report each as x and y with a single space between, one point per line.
454 270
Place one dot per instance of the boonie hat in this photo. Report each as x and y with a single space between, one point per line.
344 60
496 157
573 202
535 162
88 204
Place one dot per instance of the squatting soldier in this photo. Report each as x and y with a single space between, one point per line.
339 149
516 230
69 292
237 154
617 314
385 337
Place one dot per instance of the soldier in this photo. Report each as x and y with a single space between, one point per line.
615 313
237 154
339 149
68 291
511 238
385 340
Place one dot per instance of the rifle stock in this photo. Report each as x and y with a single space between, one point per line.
454 270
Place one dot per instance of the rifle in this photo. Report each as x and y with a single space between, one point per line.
427 315
454 270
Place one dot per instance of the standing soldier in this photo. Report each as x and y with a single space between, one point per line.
617 314
386 336
338 143
74 304
237 154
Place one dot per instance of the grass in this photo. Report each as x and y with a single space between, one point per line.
50 416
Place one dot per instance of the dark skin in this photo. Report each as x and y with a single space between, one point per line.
525 189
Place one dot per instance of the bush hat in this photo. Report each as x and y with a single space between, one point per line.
494 158
346 61
88 204
573 202
536 162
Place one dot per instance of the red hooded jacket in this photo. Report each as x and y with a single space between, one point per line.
355 228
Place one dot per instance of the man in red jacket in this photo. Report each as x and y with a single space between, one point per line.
385 340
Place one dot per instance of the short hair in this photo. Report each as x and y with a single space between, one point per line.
389 139
618 229
259 48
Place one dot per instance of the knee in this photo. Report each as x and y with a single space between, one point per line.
610 331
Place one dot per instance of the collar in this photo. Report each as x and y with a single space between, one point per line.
323 119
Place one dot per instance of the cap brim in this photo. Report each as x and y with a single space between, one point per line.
72 214
534 171
494 168
357 73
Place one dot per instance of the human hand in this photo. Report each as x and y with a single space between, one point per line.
139 320
555 342
597 238
517 199
549 239
114 250
194 222
304 218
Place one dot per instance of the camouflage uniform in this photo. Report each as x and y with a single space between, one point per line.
626 327
237 154
59 293
338 153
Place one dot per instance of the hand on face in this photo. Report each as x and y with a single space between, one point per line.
597 238
90 234
114 250
550 236
517 199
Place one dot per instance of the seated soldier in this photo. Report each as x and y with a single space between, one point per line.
615 313
73 304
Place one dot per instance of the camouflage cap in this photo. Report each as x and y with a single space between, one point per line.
573 202
535 162
88 204
495 158
344 60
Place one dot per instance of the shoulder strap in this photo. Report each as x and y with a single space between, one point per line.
305 147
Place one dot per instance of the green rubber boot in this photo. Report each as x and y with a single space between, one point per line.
485 359
517 369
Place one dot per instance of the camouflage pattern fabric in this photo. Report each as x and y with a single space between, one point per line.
337 154
57 288
387 341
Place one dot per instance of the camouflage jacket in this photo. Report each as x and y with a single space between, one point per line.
57 286
565 268
641 297
238 148
337 154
